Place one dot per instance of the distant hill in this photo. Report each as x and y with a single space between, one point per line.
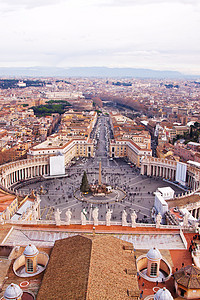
91 72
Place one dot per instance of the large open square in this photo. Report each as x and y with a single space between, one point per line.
59 192
137 190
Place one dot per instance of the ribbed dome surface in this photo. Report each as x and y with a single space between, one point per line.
30 250
163 294
154 254
13 291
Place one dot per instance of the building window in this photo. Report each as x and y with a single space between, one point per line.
154 267
29 265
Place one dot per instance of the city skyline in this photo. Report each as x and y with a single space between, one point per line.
155 34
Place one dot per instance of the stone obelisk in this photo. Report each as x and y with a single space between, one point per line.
100 173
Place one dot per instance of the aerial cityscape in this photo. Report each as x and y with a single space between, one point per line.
99 150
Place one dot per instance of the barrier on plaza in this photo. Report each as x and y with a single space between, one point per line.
112 223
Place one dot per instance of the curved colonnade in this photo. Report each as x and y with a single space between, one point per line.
164 168
15 172
18 171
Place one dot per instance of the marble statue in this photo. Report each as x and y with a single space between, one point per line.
124 216
83 217
95 214
68 215
158 220
133 218
108 217
57 217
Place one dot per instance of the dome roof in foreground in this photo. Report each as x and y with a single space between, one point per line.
30 250
13 291
163 294
154 254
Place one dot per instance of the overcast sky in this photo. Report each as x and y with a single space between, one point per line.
157 34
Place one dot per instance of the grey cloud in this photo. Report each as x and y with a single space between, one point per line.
142 2
13 4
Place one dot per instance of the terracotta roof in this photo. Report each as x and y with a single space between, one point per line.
188 277
112 270
4 230
4 193
67 272
90 268
5 200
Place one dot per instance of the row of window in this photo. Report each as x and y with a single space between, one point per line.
29 265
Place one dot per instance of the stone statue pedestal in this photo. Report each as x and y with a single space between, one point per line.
68 215
124 216
133 219
95 214
83 217
57 217
108 217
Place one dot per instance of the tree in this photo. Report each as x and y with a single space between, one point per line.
84 184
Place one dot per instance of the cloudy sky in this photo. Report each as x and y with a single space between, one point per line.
157 34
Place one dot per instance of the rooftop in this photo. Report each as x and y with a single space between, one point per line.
188 277
95 268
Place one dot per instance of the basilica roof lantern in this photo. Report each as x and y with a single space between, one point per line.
163 294
13 292
31 250
154 254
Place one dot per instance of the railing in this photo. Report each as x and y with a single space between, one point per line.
145 225
78 222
